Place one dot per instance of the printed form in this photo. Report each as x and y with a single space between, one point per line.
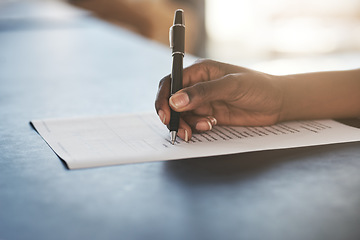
122 139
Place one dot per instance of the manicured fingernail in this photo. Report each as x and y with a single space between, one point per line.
203 125
162 116
183 134
179 100
186 136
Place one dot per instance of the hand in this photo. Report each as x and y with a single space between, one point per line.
218 93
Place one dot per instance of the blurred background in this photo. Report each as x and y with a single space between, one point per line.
284 34
266 29
301 35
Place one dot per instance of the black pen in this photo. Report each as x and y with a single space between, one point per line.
177 43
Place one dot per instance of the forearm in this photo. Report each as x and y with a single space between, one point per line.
321 95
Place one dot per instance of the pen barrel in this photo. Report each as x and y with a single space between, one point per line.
176 85
174 121
177 73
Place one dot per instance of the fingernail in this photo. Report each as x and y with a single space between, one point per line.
183 134
186 136
179 100
162 116
203 126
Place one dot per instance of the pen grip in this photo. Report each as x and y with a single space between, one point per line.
174 121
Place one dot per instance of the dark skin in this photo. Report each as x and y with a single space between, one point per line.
218 93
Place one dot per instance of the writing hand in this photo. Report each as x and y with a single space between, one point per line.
218 93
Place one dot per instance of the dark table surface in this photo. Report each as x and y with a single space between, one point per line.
79 66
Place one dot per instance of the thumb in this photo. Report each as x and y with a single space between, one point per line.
201 93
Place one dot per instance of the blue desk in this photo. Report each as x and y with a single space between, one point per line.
84 67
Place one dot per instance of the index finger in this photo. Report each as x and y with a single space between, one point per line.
200 71
205 70
162 100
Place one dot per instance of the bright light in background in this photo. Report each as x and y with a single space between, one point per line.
228 19
250 30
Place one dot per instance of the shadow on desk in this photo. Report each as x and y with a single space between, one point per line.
241 167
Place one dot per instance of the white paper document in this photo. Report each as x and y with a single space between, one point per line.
111 140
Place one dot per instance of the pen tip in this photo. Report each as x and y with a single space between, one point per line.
173 137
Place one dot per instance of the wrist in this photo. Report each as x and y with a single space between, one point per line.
288 104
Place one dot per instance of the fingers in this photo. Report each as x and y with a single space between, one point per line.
184 132
204 82
198 123
201 71
201 123
162 102
206 70
185 127
193 97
